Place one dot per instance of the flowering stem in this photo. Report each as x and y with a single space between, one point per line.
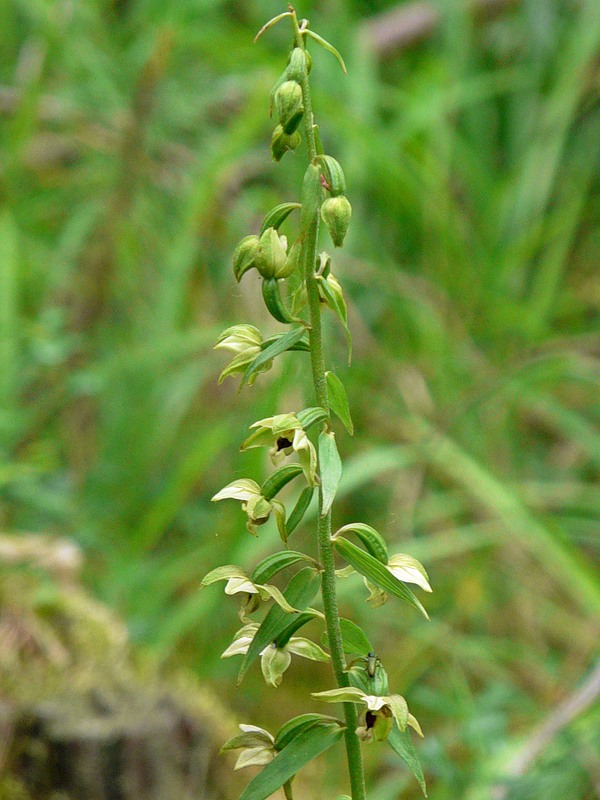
328 586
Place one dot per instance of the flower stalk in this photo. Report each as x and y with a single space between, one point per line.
371 712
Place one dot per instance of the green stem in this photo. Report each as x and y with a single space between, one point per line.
328 585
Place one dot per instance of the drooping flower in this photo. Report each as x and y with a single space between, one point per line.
403 567
381 711
257 745
285 435
246 342
258 508
252 593
274 660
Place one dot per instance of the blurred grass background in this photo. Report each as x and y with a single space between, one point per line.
134 155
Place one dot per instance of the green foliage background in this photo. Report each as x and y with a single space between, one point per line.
134 155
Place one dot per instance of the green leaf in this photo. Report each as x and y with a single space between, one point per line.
338 401
324 43
354 638
375 571
371 539
290 729
298 621
309 744
330 469
299 509
277 216
402 744
299 592
274 563
302 345
337 304
279 346
312 196
309 416
280 478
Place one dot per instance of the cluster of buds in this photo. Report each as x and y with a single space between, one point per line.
288 101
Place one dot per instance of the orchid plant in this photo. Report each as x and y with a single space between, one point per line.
298 285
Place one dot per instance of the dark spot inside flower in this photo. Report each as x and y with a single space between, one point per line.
370 719
283 442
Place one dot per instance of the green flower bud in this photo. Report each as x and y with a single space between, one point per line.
271 254
288 100
299 65
336 213
244 256
282 142
333 175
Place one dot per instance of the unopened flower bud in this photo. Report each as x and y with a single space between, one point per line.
336 213
299 65
282 142
288 100
272 254
332 175
244 256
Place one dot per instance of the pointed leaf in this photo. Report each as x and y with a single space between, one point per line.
338 401
371 539
302 345
290 729
338 306
277 216
354 638
324 43
299 592
375 571
402 744
309 416
300 751
279 346
299 509
296 622
330 469
274 563
280 478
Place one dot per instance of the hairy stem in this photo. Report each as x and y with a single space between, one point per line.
328 585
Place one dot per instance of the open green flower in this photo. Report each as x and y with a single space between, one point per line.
274 660
285 435
252 593
381 712
258 508
257 745
246 342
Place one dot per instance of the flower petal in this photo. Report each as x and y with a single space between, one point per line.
267 591
222 574
242 489
307 649
274 661
346 694
408 569
240 584
254 757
